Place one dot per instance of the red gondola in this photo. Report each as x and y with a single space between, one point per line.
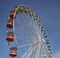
12 14
10 38
14 48
10 25
13 54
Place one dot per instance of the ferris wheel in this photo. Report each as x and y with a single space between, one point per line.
25 34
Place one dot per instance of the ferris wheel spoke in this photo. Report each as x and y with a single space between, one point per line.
46 49
28 55
35 29
28 51
32 44
31 32
37 54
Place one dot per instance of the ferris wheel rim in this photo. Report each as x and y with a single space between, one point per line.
26 10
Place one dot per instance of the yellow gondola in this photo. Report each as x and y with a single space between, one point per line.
31 13
35 18
39 23
21 8
26 10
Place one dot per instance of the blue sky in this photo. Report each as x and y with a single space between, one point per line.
47 10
